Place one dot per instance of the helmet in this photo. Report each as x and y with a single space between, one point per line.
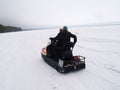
65 28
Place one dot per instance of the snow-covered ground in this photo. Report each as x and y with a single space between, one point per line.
22 68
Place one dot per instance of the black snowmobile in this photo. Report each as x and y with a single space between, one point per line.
66 62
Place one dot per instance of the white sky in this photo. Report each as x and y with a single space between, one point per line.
58 12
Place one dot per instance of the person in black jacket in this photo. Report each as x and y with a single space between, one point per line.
61 39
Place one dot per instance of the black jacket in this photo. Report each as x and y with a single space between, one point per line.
63 37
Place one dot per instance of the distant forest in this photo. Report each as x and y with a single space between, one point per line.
4 29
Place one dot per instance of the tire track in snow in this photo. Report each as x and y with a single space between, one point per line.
104 79
101 66
112 68
92 70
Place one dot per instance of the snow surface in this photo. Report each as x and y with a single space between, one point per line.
22 67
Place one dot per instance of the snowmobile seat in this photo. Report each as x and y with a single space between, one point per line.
66 53
68 46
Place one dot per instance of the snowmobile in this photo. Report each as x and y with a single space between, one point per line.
66 62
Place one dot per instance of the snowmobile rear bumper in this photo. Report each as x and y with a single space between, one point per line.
72 66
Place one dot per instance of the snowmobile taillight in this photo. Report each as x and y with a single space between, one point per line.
75 58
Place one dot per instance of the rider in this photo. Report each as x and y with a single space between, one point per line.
63 36
61 39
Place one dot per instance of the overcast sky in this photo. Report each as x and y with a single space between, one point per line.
25 13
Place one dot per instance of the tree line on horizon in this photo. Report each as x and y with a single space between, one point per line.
4 29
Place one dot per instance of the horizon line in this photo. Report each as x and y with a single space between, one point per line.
70 26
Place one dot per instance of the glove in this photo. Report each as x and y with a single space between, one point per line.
51 38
